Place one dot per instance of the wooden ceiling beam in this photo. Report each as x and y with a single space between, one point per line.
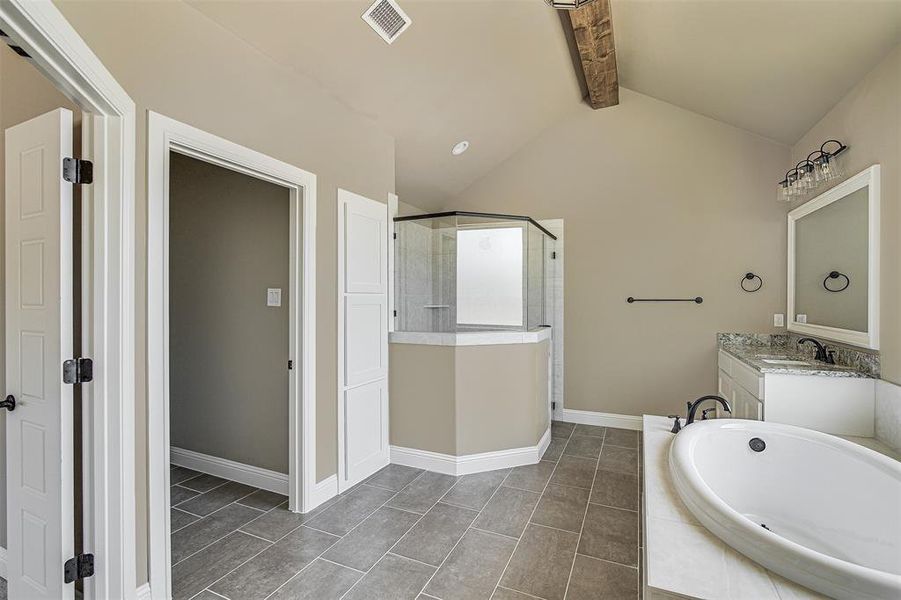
593 31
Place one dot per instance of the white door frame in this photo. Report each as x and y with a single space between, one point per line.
165 135
108 298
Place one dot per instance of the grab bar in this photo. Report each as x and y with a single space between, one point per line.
696 300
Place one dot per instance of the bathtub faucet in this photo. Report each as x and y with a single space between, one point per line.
693 408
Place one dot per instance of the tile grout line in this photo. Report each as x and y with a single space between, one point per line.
321 554
532 514
457 543
594 477
421 517
238 530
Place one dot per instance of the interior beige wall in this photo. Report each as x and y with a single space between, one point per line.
468 399
173 60
228 242
868 120
501 394
657 202
24 94
421 394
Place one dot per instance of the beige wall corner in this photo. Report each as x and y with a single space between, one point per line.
658 201
868 120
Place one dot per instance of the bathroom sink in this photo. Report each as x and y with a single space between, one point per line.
785 361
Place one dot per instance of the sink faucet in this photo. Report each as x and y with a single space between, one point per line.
693 408
822 355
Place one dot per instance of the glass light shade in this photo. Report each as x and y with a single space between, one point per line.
568 4
784 193
829 167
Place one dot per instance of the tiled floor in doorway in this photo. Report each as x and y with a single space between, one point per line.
567 527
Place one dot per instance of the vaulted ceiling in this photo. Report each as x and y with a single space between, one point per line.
497 72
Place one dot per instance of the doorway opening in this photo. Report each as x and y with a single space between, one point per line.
231 343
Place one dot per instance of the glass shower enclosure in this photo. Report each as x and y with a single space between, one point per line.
469 272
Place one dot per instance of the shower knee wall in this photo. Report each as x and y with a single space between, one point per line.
464 400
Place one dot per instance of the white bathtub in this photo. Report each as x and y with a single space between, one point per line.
832 508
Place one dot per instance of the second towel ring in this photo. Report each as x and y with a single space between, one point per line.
751 277
836 275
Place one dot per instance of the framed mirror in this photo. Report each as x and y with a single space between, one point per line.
833 263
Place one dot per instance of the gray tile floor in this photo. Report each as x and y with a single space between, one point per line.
567 527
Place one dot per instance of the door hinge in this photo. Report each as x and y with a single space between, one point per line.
290 365
395 236
78 567
78 171
553 406
395 313
78 370
554 254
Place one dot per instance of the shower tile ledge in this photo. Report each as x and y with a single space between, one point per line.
480 338
675 543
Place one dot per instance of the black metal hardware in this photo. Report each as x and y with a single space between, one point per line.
836 275
808 163
751 277
706 412
464 213
395 235
554 255
9 404
677 425
290 365
78 171
693 407
78 370
757 445
553 405
822 354
697 300
78 567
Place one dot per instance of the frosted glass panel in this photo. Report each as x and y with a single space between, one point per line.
490 276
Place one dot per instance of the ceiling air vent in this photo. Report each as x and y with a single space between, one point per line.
387 19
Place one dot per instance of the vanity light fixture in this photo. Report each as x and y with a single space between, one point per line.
819 167
459 148
567 4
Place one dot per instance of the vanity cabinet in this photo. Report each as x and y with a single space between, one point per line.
733 380
836 405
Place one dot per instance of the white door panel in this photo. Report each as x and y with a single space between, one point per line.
366 338
40 514
363 337
366 255
366 426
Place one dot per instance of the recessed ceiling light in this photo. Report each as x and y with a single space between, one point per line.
460 148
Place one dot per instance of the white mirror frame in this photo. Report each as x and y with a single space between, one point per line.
870 338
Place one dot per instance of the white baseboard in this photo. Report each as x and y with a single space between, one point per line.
3 563
323 491
470 463
229 469
143 592
589 417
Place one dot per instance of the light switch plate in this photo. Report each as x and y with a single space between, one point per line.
273 297
778 320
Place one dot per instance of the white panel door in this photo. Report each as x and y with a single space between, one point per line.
363 337
39 453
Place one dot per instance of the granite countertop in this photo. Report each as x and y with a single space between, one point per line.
755 356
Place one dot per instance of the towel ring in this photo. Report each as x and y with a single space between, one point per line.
751 277
836 275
